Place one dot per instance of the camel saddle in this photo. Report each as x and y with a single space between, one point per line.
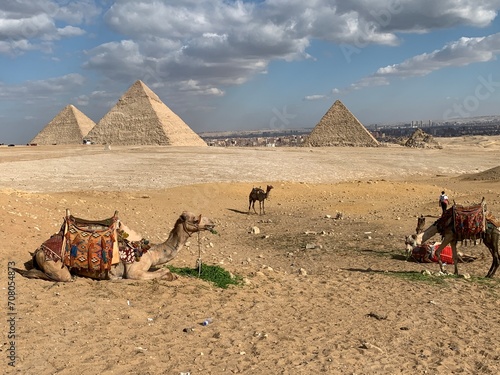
85 244
469 222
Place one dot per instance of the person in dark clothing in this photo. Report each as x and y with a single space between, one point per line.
443 201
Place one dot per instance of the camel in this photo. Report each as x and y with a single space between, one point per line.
156 255
446 227
257 194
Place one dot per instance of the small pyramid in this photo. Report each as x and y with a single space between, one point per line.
420 139
339 127
141 118
69 127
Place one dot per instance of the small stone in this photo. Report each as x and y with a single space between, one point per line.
310 246
302 272
255 230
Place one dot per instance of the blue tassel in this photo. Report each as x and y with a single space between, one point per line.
74 251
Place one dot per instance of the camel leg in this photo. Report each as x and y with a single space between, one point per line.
48 269
491 240
137 273
251 205
493 248
455 255
261 208
494 263
446 241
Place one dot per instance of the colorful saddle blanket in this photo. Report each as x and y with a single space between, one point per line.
131 251
84 244
469 222
93 245
89 244
427 252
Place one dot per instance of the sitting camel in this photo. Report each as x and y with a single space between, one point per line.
257 194
445 226
48 268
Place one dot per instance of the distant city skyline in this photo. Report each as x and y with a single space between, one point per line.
236 65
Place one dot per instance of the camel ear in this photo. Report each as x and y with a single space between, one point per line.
199 219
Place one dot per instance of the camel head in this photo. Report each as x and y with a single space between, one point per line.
413 241
420 224
195 223
268 189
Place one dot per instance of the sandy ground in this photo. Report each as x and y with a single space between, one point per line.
350 305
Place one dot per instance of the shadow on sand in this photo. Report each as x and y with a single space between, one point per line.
238 211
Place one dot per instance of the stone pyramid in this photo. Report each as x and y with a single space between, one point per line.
420 139
69 127
141 118
339 127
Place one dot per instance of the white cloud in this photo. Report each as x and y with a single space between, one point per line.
34 25
461 52
69 31
315 97
226 43
41 89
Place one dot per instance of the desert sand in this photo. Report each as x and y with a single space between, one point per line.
326 284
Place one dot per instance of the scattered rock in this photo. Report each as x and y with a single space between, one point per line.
302 272
255 230
377 316
367 345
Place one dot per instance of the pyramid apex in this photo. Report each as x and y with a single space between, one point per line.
139 82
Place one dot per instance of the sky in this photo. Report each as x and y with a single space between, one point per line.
247 65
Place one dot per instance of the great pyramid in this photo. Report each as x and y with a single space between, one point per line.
141 118
339 127
69 127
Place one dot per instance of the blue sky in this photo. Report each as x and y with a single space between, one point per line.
232 65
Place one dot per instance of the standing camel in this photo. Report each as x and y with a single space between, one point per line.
257 194
55 269
445 226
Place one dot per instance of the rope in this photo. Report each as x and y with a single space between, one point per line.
199 255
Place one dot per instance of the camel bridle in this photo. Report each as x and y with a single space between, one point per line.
196 225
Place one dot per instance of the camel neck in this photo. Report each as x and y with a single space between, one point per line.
166 251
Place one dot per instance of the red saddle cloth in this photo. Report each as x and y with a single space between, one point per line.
469 222
420 252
